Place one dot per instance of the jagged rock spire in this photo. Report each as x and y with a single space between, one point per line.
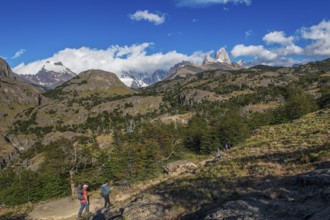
208 59
222 56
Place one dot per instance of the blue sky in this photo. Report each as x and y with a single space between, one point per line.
145 35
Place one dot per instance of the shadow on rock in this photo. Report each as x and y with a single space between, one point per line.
304 196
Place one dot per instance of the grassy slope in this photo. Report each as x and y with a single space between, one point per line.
273 152
280 150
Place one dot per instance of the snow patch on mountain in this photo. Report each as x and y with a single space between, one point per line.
130 81
55 66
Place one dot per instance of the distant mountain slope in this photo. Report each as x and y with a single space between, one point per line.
51 75
220 62
15 96
91 82
14 91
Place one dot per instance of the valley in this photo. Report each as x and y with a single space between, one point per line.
276 121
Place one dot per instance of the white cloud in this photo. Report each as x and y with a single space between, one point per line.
256 51
289 50
282 50
146 15
320 35
18 53
116 59
196 3
277 37
262 55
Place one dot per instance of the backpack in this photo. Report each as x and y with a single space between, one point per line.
79 193
105 189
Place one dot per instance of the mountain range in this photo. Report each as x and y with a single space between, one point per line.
54 73
220 62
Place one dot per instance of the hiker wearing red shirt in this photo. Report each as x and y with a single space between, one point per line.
84 202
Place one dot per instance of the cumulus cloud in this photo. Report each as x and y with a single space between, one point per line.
116 59
280 49
18 53
198 3
146 15
262 55
320 35
277 37
272 57
289 50
256 51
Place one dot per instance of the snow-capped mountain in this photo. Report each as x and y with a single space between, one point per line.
138 80
155 77
220 57
51 75
130 81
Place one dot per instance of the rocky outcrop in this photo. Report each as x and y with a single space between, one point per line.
22 142
145 208
180 166
239 209
305 196
5 70
14 91
6 158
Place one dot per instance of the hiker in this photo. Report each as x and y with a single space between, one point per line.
226 147
84 201
105 193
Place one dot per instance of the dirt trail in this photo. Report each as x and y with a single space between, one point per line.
67 208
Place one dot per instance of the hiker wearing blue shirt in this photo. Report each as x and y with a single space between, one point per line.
105 193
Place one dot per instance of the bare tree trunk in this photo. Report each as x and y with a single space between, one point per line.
72 185
73 191
174 142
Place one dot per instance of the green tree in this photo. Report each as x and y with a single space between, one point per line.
232 128
299 104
